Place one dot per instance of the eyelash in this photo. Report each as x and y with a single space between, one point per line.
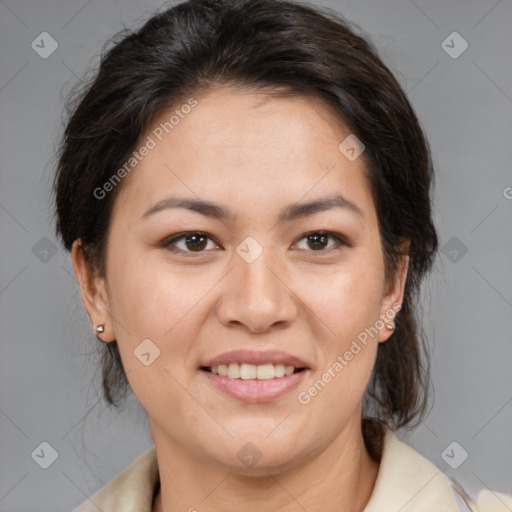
168 243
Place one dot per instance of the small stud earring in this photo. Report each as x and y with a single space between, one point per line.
100 329
390 327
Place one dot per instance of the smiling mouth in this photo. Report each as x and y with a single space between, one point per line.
246 371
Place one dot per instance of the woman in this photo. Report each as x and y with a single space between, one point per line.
245 192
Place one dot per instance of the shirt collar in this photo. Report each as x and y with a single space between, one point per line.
408 482
132 490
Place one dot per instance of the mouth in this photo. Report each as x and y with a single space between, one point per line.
255 376
248 371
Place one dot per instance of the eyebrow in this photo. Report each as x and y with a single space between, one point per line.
289 213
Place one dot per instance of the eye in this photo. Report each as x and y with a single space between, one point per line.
197 241
192 241
318 240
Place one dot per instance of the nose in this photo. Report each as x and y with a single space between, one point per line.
257 296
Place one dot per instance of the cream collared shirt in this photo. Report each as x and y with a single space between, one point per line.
406 482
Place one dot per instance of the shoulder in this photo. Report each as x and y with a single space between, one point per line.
130 491
408 482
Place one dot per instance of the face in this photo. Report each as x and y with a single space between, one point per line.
253 283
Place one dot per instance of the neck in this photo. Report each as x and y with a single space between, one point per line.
342 476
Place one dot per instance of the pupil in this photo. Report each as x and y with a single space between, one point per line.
317 239
192 240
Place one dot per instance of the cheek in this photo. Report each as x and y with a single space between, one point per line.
152 300
345 302
351 305
153 314
145 297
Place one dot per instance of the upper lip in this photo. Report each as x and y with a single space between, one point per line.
257 357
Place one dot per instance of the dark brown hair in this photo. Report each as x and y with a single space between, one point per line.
280 48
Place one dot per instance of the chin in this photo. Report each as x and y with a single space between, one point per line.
264 465
254 455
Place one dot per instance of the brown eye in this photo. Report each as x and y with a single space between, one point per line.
318 240
196 242
191 242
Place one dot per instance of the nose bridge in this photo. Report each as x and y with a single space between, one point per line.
256 294
258 283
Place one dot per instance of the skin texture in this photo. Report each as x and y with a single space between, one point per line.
255 156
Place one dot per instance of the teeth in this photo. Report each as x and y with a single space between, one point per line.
246 371
265 371
279 370
234 371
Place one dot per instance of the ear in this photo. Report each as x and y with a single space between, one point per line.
93 290
393 295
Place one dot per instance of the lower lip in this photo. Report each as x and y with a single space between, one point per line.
253 390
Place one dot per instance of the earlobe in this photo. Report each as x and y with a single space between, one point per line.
393 297
93 291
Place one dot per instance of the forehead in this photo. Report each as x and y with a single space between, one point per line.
246 149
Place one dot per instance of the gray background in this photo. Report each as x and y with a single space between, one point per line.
46 371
